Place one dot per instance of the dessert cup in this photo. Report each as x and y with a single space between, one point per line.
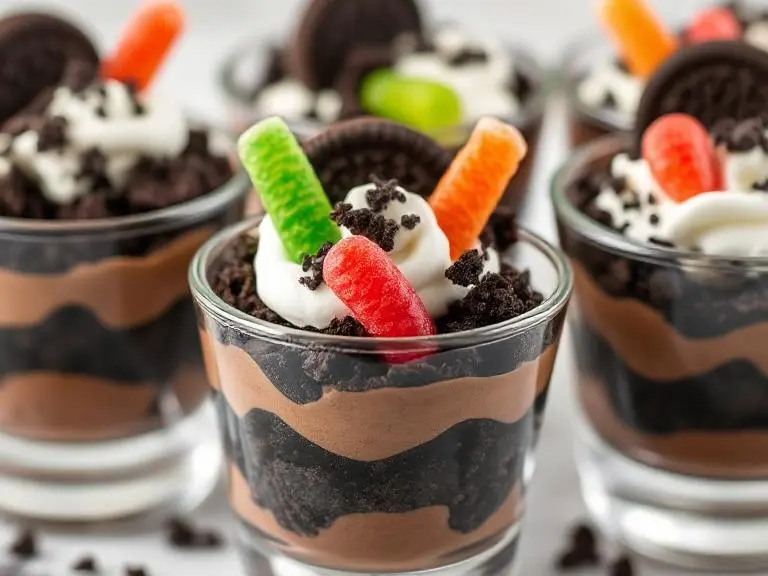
342 463
585 122
673 385
248 62
104 408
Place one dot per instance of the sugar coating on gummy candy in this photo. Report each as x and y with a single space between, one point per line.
469 191
146 42
289 188
639 34
419 103
376 292
681 156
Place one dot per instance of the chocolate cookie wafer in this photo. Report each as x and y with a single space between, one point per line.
360 62
35 49
711 81
329 29
348 153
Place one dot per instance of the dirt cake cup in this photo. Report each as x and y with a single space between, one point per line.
381 358
106 192
605 79
667 231
383 60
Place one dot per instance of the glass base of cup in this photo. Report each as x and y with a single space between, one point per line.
682 520
172 469
261 559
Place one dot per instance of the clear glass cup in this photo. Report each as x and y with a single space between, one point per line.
246 64
672 441
104 409
342 463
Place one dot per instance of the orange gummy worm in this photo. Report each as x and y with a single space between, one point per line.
639 34
146 41
470 189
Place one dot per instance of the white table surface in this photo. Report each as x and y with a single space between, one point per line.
214 27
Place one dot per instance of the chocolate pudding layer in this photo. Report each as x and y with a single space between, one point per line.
672 368
343 460
98 336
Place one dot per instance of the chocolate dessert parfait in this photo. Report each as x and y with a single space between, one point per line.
384 60
381 359
105 195
667 232
604 89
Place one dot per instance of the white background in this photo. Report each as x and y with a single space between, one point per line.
215 26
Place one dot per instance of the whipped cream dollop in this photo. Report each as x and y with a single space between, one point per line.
106 117
731 222
480 73
421 253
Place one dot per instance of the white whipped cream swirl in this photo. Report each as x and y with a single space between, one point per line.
422 255
733 222
102 117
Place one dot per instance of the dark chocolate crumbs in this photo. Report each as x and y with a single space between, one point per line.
383 193
365 222
609 101
347 326
25 545
52 134
466 270
136 571
582 550
182 534
661 242
504 228
496 298
653 219
468 55
622 567
314 264
410 221
86 564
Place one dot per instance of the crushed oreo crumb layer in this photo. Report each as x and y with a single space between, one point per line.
741 136
496 298
25 545
467 269
52 134
86 564
314 264
365 222
136 571
410 221
383 193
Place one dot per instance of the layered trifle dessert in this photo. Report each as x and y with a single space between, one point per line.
381 360
106 192
385 60
667 231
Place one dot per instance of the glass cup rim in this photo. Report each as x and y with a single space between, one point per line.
572 74
528 115
194 209
608 239
205 297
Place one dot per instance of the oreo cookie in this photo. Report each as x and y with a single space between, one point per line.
35 49
711 81
359 63
330 29
348 153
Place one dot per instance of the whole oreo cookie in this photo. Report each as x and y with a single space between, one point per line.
35 49
330 29
711 81
348 153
